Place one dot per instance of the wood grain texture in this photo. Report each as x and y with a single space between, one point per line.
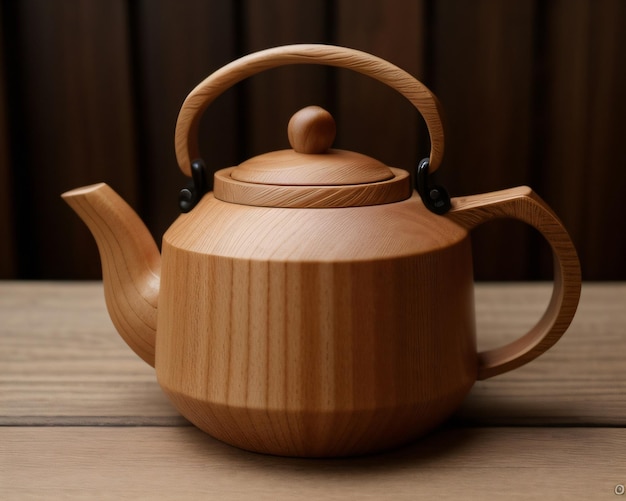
532 93
379 69
606 105
331 168
311 161
580 382
283 289
267 100
62 361
315 331
483 70
372 118
8 261
184 463
583 47
311 130
58 367
396 189
524 205
174 45
80 122
130 264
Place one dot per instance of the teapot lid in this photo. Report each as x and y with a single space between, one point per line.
312 174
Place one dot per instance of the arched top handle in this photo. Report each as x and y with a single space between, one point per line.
186 136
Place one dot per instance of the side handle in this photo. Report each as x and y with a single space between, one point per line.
525 205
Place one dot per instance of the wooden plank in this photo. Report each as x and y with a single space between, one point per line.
184 463
177 45
372 118
482 74
77 116
580 381
61 361
272 97
60 358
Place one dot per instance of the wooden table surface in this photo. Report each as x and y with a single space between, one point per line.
81 417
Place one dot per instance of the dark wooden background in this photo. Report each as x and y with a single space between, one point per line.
534 93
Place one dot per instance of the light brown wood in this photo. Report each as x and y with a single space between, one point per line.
186 136
311 130
59 368
130 263
62 363
295 329
311 174
395 189
183 463
315 332
331 168
525 205
321 166
340 328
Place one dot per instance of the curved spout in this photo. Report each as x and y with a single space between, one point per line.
131 264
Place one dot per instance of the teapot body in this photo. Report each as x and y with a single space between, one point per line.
315 332
312 304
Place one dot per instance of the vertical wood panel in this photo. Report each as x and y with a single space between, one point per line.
585 166
7 241
77 125
272 97
372 118
607 160
533 94
178 44
483 76
564 139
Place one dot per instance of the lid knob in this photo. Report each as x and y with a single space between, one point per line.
311 162
311 130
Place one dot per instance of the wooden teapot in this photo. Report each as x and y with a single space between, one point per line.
313 303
